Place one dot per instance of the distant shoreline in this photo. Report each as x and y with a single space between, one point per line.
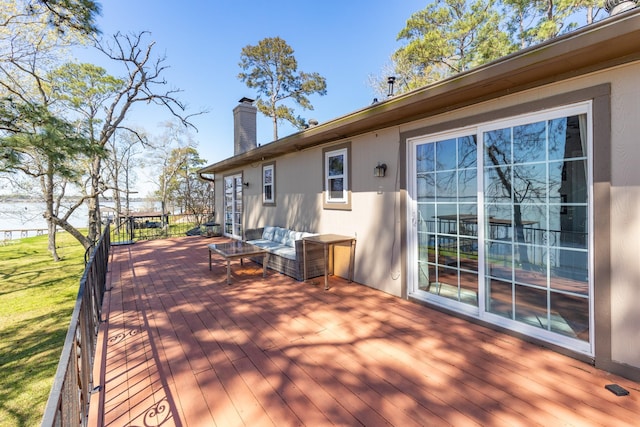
31 199
26 213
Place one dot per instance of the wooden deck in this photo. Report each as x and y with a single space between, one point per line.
180 347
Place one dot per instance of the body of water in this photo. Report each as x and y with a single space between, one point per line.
23 215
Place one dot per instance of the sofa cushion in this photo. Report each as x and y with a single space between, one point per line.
284 251
281 235
268 245
268 232
297 235
275 248
292 236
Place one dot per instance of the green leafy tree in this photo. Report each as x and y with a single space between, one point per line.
49 153
452 36
271 68
78 15
176 162
184 188
34 38
84 90
449 37
36 140
16 119
103 102
532 22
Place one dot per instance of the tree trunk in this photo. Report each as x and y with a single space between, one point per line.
84 241
117 200
47 185
275 127
517 209
51 228
520 238
94 202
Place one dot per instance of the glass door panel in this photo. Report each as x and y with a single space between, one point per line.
531 306
228 205
536 225
570 315
447 223
233 206
499 297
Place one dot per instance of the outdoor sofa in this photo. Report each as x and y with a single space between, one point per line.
286 253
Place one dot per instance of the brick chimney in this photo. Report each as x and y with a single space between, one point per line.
244 126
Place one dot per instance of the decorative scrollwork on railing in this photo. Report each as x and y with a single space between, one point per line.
549 238
155 416
122 336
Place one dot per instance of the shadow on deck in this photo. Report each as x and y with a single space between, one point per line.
181 347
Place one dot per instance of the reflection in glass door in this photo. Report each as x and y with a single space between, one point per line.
536 225
233 206
500 224
447 226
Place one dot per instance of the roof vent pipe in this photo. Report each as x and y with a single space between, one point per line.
390 81
615 7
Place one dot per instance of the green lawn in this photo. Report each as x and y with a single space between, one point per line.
36 300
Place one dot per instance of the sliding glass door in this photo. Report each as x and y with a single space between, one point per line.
501 221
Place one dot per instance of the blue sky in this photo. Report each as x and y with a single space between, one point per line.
343 41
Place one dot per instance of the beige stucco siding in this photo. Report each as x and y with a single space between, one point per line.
625 190
625 204
376 217
625 214
297 186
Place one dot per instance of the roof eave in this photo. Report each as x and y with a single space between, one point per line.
610 42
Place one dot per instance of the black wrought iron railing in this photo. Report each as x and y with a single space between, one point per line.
68 403
129 229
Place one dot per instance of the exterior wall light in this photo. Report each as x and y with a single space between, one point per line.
246 184
380 170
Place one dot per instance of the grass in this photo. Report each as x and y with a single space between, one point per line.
37 297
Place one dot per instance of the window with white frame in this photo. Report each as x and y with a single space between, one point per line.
268 184
336 176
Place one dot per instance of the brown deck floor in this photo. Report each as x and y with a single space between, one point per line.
181 347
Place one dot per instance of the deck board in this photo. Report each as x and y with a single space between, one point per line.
180 347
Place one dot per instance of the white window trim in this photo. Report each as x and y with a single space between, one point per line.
271 200
345 176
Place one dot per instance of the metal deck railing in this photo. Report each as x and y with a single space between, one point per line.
68 403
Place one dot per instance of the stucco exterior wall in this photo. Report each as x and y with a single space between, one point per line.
377 217
625 215
624 208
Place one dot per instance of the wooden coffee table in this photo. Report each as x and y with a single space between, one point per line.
237 250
